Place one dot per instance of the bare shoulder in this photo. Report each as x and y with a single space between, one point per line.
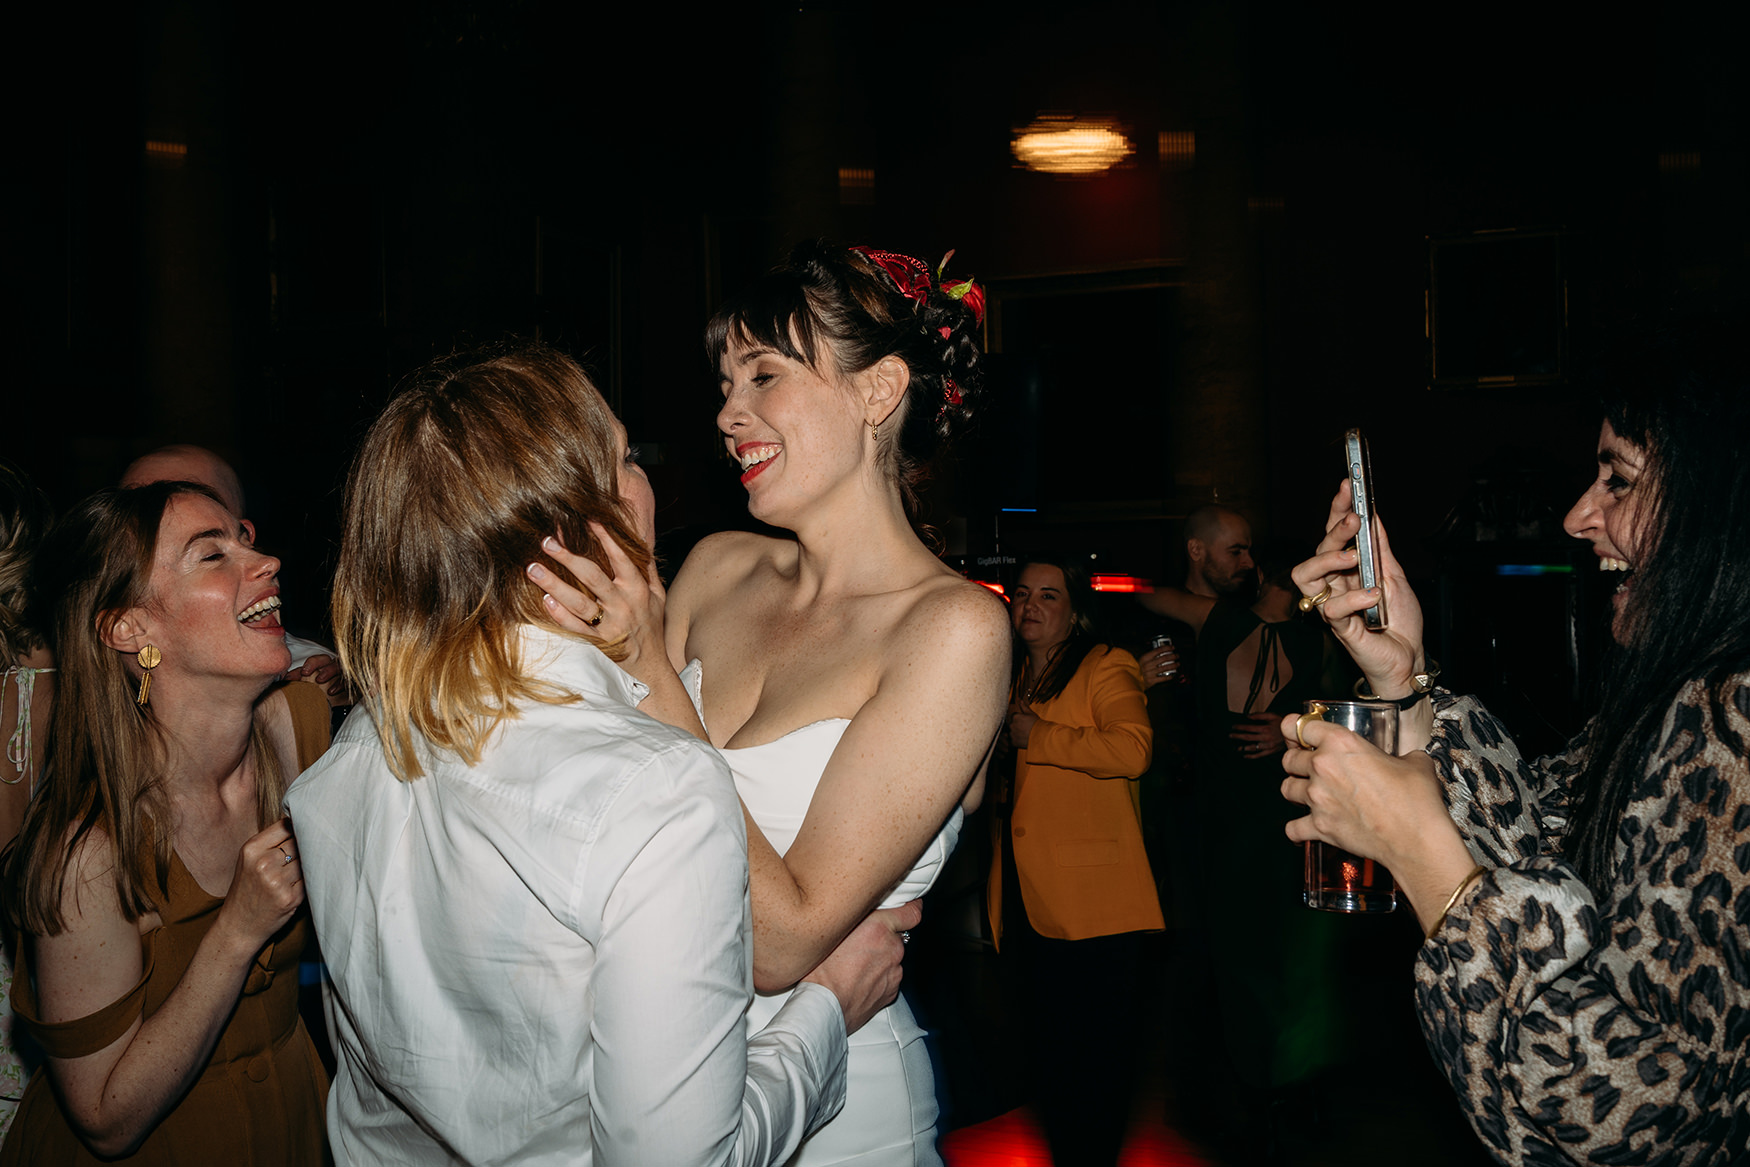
88 893
959 602
95 955
955 619
718 563
722 559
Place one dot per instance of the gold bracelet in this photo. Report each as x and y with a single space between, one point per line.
1421 684
1456 892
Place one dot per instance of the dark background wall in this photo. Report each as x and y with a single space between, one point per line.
364 186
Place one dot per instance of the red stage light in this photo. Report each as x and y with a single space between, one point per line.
1120 583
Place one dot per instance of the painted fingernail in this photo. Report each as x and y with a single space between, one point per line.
550 602
549 544
536 571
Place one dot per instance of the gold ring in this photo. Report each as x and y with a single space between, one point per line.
1316 713
1308 603
601 610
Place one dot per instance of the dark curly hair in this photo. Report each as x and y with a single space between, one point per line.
824 294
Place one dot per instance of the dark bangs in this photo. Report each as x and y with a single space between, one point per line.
774 313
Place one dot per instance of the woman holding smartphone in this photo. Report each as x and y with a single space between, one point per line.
1584 982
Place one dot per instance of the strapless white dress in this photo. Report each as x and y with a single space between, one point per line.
890 1092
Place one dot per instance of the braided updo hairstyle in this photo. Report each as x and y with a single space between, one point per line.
840 297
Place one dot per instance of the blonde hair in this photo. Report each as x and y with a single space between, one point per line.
24 519
105 763
471 465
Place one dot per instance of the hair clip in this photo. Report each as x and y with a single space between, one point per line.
908 274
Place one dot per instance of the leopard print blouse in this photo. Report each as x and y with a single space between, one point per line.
1599 1033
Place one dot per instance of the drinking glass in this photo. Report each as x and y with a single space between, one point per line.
1337 881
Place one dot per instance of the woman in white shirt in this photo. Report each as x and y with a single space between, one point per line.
531 895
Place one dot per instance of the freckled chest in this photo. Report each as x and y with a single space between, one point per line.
772 664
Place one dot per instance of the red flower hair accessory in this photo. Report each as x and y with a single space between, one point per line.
950 397
970 294
965 291
911 275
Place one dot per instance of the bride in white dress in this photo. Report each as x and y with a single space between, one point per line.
853 681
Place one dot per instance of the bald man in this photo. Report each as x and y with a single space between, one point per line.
182 463
185 463
1218 544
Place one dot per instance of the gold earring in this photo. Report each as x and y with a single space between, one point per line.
875 430
148 658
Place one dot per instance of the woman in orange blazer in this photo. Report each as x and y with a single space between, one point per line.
1071 893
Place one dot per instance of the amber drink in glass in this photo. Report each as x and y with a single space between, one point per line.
1337 881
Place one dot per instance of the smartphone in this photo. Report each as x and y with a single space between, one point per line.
1361 497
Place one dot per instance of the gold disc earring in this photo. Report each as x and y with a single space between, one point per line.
148 658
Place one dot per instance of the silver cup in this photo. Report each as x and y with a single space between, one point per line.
1337 881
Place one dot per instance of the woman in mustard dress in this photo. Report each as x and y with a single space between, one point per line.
155 881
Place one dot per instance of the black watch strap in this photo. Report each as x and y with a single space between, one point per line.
1421 684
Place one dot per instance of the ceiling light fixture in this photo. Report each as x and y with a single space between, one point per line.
1067 144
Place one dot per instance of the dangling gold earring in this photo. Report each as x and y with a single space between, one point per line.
875 430
148 658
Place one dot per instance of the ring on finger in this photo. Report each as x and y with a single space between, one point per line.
1316 713
1308 603
285 856
905 937
601 610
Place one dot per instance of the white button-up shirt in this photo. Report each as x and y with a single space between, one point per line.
543 958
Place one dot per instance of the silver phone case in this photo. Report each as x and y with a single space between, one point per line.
1360 467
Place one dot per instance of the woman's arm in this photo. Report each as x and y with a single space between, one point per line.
1609 1031
908 756
1507 807
115 1097
1119 744
1531 977
1574 1028
673 945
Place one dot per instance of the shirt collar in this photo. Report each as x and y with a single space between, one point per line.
578 666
